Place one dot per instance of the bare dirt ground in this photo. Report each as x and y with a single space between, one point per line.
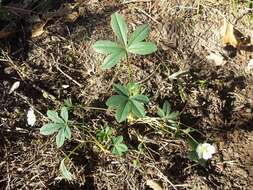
217 100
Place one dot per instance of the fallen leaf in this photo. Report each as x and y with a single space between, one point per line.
232 36
216 58
71 17
228 37
14 86
38 29
153 185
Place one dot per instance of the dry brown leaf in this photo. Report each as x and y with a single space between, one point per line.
216 58
233 37
71 17
37 29
228 37
153 185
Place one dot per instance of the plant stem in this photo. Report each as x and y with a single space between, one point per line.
129 69
94 140
73 151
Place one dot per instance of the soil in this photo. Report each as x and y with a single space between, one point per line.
216 100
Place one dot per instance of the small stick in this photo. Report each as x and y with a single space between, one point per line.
69 77
66 75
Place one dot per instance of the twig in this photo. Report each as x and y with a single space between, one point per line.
31 105
66 75
69 77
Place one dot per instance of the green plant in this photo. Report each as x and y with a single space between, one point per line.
128 102
64 171
166 113
115 51
104 135
118 148
59 124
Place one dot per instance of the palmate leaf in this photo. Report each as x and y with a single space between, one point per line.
106 47
140 98
53 115
119 27
142 48
160 112
122 111
64 114
138 109
166 108
140 33
50 128
64 171
118 147
120 89
113 59
67 132
116 100
104 134
60 137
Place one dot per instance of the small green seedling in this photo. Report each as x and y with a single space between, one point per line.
59 124
118 148
166 113
68 103
104 135
115 51
128 102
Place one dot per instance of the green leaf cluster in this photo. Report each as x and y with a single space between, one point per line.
115 51
105 136
118 148
58 124
166 113
127 101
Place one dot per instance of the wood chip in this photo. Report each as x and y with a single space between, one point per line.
153 185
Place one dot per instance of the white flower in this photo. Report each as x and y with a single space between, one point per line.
205 151
31 118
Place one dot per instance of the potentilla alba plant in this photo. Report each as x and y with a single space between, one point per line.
127 102
118 50
205 151
58 124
